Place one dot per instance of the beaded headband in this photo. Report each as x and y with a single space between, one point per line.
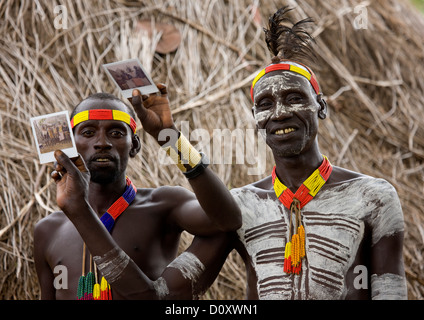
104 114
288 66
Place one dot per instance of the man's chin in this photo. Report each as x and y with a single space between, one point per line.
287 152
104 176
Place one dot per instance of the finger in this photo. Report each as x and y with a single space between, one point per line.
57 167
136 101
162 89
64 161
56 176
80 163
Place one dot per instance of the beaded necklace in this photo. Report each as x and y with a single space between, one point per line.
295 249
88 286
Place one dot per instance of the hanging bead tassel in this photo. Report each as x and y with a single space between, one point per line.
296 263
89 285
295 249
96 292
287 258
82 279
96 288
301 232
105 292
81 286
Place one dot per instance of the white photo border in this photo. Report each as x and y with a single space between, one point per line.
49 156
127 93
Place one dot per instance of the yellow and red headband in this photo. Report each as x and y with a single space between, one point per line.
104 114
288 66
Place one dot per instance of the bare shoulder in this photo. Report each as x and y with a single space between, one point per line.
52 221
263 185
255 191
369 184
340 175
161 199
171 194
47 227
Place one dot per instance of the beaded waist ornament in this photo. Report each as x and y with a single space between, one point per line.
88 285
295 245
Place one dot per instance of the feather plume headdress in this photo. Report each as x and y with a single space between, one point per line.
289 42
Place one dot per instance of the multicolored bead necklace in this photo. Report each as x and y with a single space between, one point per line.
88 286
295 246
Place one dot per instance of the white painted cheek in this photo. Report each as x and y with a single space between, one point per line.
301 107
261 117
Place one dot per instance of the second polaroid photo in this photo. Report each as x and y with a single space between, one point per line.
129 75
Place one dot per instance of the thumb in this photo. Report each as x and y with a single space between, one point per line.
70 166
137 104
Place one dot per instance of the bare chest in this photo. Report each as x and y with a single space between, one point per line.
333 243
142 238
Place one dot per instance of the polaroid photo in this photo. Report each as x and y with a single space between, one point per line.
53 132
129 75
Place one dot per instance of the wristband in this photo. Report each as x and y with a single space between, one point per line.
190 161
198 169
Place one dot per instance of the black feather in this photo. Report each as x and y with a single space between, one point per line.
288 40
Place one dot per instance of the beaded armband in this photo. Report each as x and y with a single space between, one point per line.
190 161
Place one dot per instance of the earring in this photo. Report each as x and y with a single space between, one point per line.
322 115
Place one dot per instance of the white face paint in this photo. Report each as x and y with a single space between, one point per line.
276 85
334 224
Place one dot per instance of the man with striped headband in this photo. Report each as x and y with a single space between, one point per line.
312 230
110 234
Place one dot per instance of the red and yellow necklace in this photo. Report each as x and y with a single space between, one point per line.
295 246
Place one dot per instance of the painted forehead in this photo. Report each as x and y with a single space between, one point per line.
287 65
277 82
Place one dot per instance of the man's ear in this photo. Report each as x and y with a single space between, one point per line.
135 146
322 112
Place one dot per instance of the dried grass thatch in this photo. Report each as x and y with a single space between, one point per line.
372 79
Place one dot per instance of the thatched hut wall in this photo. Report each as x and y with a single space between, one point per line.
370 66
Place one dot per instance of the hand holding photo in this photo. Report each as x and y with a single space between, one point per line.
129 75
53 132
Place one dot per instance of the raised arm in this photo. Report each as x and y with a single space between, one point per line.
218 210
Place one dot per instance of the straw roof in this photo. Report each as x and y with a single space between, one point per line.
370 66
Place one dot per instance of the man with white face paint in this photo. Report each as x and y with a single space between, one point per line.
312 230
